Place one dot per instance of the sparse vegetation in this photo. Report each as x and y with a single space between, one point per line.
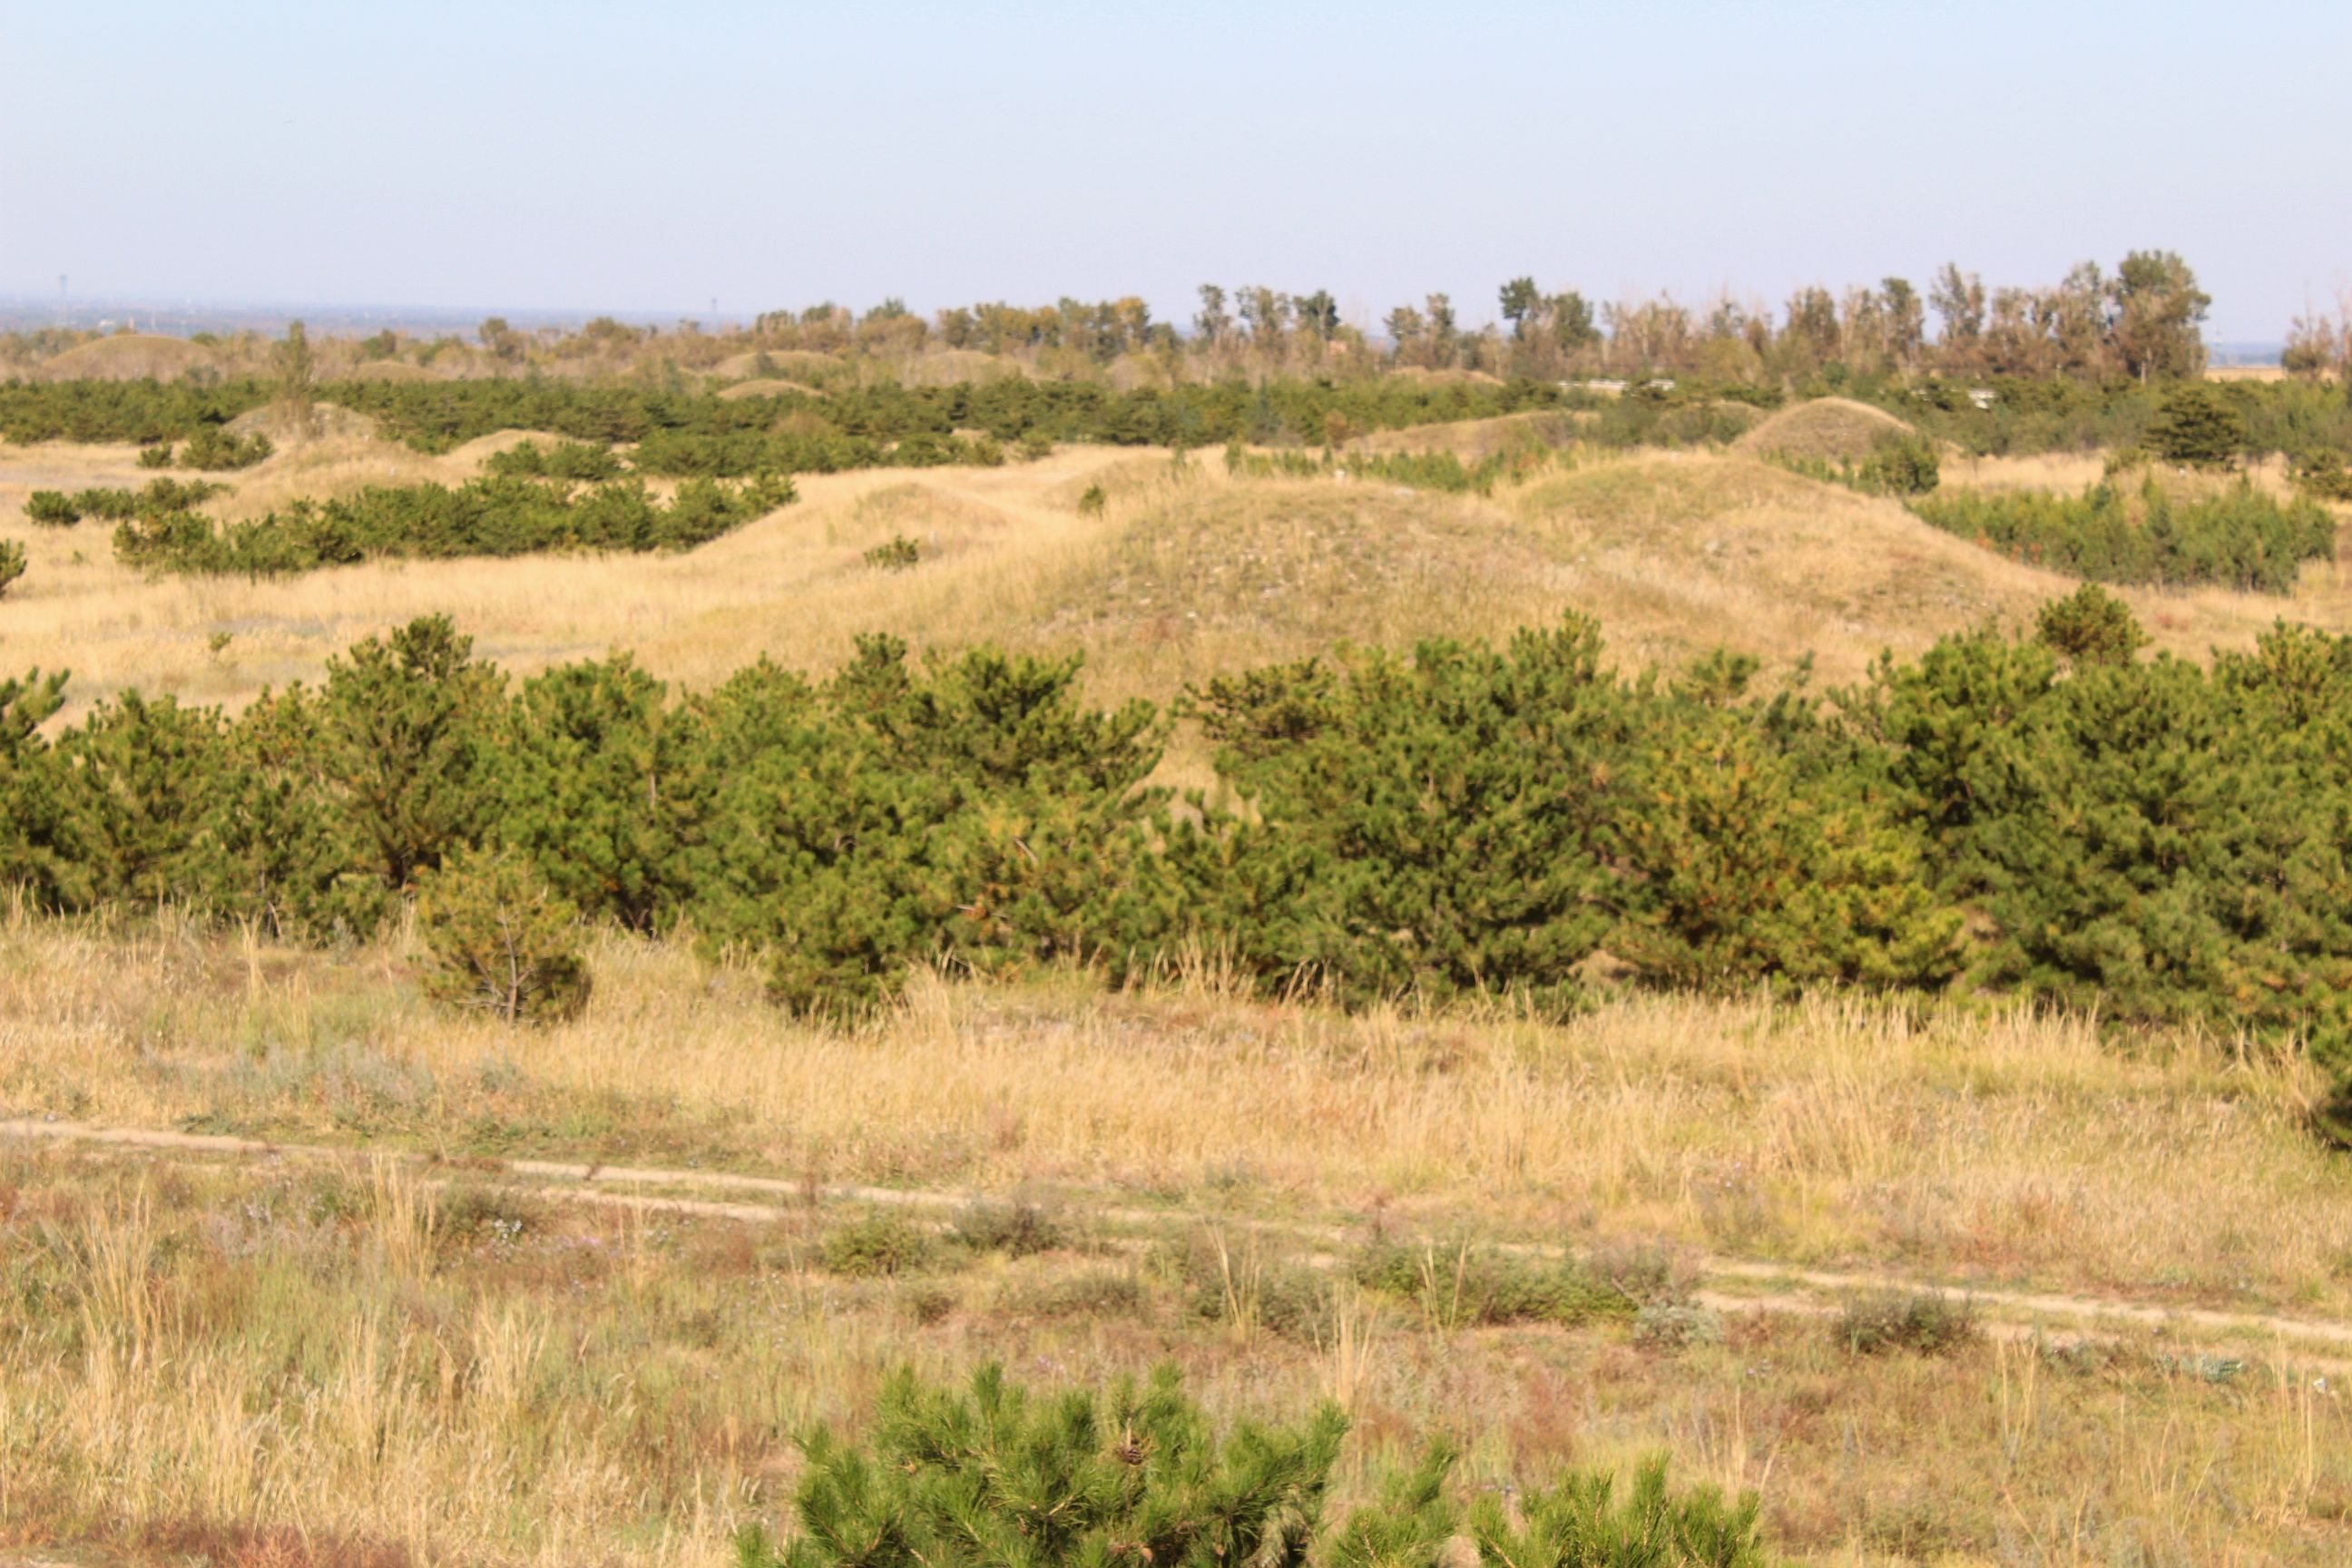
896 553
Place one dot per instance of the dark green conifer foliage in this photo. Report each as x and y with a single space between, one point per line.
1584 1521
1432 825
407 724
283 848
2169 862
33 852
2090 626
1750 856
580 791
998 1477
12 564
137 785
2195 424
1954 737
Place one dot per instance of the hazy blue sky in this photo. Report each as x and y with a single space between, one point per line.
655 156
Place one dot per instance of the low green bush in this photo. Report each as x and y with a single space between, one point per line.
2240 537
51 509
1928 1324
2321 474
2090 626
214 448
994 1475
1461 1286
894 554
12 564
496 516
502 941
564 460
876 1245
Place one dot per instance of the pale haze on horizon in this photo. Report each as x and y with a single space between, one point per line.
642 157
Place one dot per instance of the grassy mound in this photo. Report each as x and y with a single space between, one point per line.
131 356
950 367
1832 429
1221 576
1683 553
796 363
766 386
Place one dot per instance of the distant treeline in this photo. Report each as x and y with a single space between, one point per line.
2052 818
686 434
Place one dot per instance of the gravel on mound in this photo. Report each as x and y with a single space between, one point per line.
1833 429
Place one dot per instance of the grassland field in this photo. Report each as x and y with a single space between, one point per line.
408 1347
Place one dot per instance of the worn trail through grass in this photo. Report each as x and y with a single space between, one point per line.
1728 1284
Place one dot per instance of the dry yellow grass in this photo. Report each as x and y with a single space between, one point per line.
293 1368
1186 573
470 1375
1971 1146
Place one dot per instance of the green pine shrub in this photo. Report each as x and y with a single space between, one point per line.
2321 474
158 457
2196 426
997 1475
579 758
212 447
894 554
12 564
51 509
406 732
1428 825
2240 537
564 460
1583 1521
2090 626
502 515
502 941
136 778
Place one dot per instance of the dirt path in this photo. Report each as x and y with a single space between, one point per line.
1773 1286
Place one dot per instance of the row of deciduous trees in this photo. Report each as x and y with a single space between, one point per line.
2144 321
2156 840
